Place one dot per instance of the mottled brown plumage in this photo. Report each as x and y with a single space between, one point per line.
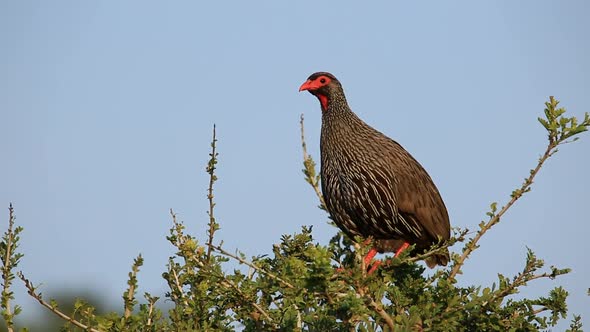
371 185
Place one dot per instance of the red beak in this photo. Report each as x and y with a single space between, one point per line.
310 85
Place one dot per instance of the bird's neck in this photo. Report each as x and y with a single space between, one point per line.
342 130
338 118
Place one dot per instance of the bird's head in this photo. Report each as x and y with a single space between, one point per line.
324 86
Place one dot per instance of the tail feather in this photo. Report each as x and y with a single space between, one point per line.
441 259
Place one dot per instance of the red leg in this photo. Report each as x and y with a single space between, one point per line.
370 256
373 267
402 248
377 263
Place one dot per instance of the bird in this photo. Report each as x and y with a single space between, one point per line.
373 187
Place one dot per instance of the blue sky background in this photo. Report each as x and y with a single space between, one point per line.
106 110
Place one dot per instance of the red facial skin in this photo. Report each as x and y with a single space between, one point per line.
314 87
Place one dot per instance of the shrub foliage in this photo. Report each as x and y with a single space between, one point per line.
308 286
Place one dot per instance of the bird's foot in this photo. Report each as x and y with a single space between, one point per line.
373 267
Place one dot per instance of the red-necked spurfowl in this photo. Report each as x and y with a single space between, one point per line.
371 185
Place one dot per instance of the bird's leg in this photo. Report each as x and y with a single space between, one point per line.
377 263
402 248
370 256
368 259
374 267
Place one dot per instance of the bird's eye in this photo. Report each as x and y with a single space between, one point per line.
322 80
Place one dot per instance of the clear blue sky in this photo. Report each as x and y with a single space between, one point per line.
106 110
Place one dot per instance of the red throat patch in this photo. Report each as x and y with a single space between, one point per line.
324 101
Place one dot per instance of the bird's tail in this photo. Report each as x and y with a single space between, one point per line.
441 259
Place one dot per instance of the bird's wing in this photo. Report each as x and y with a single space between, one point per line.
416 195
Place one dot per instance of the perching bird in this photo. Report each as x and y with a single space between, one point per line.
372 186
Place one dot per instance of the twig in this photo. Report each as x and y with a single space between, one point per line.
560 130
226 282
129 297
309 170
540 310
179 287
521 279
377 307
6 270
384 315
151 303
249 264
151 309
299 324
435 249
213 226
495 218
31 291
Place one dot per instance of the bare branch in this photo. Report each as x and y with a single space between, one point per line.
31 291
